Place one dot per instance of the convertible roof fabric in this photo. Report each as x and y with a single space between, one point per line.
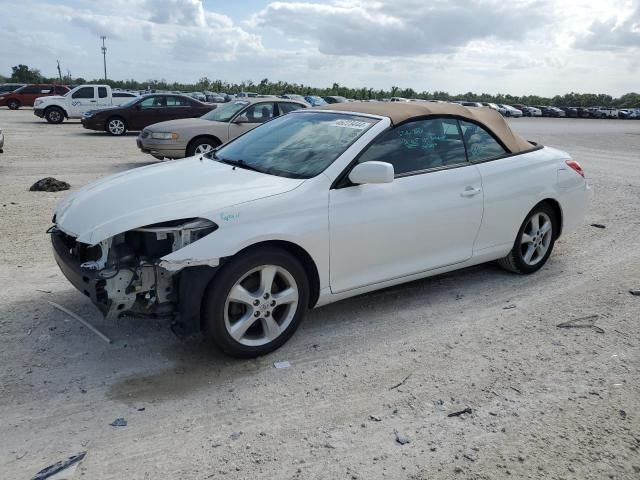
400 112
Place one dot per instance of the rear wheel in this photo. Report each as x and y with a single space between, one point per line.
534 242
256 302
201 146
116 126
13 104
54 115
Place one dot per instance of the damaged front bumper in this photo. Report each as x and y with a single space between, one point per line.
125 275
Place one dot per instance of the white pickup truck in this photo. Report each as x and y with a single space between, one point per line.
54 109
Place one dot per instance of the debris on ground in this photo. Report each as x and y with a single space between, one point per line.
461 412
598 225
81 320
283 364
635 292
401 383
235 435
582 322
509 307
375 418
58 467
49 184
401 438
119 422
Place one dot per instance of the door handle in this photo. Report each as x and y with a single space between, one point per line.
93 101
470 192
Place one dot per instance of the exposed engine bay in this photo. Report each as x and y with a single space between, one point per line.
125 275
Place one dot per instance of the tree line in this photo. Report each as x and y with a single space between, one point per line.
24 74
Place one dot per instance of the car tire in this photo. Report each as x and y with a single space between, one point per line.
534 242
116 126
255 302
202 145
13 104
54 115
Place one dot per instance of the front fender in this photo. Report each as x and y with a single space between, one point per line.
299 217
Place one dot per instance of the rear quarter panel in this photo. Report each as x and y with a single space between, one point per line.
512 187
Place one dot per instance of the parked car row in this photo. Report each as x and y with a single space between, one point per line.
187 137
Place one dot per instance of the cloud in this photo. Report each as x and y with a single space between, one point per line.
400 27
519 46
182 27
611 34
188 13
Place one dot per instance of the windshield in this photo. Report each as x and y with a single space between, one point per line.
225 112
130 102
295 145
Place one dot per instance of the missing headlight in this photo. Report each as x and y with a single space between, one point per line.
160 239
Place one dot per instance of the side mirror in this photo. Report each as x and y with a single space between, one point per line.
372 172
138 107
241 119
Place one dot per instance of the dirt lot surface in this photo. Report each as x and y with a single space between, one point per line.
546 402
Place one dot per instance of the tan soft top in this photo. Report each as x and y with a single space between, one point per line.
400 112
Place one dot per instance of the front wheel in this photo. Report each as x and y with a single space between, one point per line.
534 242
116 126
201 146
54 115
256 302
13 105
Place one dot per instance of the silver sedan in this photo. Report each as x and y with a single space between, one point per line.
195 136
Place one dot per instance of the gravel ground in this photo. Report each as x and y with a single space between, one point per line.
545 402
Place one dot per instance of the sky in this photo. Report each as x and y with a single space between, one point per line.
519 47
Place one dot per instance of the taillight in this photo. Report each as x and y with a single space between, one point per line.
575 166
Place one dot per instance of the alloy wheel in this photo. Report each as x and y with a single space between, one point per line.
203 148
261 305
536 238
116 127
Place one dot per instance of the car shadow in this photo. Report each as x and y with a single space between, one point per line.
98 133
146 362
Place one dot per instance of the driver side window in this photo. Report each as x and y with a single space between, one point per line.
153 102
259 113
420 145
84 92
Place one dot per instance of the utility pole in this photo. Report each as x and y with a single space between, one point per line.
104 56
59 71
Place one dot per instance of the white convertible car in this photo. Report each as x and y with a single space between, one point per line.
314 207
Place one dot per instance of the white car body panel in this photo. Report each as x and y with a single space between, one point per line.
414 224
361 237
159 193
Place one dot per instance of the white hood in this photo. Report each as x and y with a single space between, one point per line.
48 98
162 192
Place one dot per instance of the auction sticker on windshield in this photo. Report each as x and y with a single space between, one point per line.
357 124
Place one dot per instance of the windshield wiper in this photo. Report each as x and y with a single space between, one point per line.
239 163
